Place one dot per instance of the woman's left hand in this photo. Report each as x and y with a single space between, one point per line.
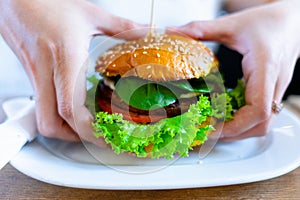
268 38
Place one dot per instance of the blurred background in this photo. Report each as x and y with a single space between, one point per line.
14 82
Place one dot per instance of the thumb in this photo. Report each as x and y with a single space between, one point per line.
112 25
218 30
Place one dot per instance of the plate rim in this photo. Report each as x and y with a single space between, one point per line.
128 181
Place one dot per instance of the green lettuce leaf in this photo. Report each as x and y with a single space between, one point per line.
225 104
237 95
167 137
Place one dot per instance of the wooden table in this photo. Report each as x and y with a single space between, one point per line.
14 185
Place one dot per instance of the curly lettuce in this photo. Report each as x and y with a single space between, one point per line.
166 138
170 136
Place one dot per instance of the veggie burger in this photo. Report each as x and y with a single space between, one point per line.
160 96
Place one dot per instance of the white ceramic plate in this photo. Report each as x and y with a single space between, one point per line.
245 161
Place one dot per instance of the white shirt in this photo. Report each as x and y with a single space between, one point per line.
167 12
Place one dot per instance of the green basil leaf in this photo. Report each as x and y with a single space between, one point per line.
91 93
193 85
144 94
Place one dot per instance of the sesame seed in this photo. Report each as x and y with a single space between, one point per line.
148 67
134 55
145 52
158 55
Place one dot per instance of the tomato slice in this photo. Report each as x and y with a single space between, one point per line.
127 115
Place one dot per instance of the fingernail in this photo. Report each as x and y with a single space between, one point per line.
171 29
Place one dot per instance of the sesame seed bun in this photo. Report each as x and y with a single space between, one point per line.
158 57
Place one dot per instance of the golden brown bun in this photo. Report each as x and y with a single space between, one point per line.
159 57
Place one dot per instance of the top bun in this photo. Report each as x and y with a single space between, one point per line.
159 57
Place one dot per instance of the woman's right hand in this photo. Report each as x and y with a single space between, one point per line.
51 39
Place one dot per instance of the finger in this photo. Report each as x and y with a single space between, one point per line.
70 84
113 25
260 86
219 30
83 118
261 129
289 61
50 124
278 85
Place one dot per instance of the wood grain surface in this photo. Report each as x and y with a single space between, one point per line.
15 185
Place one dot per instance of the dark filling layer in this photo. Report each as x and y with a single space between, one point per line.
110 102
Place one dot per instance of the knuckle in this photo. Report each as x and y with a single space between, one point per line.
194 25
263 114
228 37
65 110
264 130
127 25
46 129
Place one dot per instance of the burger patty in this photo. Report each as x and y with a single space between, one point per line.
109 101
